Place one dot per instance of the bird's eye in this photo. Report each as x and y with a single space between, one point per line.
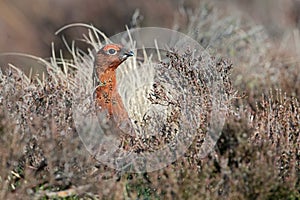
112 51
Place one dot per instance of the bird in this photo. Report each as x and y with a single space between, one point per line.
108 100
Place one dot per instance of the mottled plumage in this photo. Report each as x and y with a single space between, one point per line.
107 96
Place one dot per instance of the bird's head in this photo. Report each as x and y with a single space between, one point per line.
111 56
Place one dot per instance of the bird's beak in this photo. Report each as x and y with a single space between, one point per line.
127 54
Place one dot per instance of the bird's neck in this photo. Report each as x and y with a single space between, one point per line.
108 80
106 92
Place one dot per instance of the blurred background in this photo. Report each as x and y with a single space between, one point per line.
29 26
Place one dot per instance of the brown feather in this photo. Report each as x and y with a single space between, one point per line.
107 96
